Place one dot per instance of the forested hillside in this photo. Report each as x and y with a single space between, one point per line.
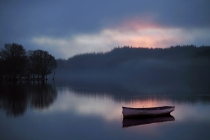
179 65
130 59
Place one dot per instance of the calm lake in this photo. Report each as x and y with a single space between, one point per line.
85 110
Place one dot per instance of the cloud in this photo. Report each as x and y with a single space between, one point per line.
91 26
133 33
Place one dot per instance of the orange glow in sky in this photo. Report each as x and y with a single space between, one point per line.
132 33
148 34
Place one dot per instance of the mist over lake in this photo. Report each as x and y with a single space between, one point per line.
70 109
104 70
86 97
184 68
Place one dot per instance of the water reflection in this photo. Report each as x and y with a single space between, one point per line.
16 97
13 99
134 90
128 122
94 111
92 105
110 109
88 99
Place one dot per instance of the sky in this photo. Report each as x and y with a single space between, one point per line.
65 28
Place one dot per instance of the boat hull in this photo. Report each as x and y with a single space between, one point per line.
154 111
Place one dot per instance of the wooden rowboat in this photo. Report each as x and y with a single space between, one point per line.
153 111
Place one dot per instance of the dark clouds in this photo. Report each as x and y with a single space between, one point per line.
189 13
22 20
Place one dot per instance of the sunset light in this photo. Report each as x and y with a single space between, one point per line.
128 34
104 69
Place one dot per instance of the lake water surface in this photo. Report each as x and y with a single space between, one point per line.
82 111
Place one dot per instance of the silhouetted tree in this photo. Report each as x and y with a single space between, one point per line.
41 63
1 68
14 58
33 63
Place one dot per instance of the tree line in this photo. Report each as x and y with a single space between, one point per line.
16 63
126 55
181 68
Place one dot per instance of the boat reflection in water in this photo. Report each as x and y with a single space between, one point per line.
133 121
